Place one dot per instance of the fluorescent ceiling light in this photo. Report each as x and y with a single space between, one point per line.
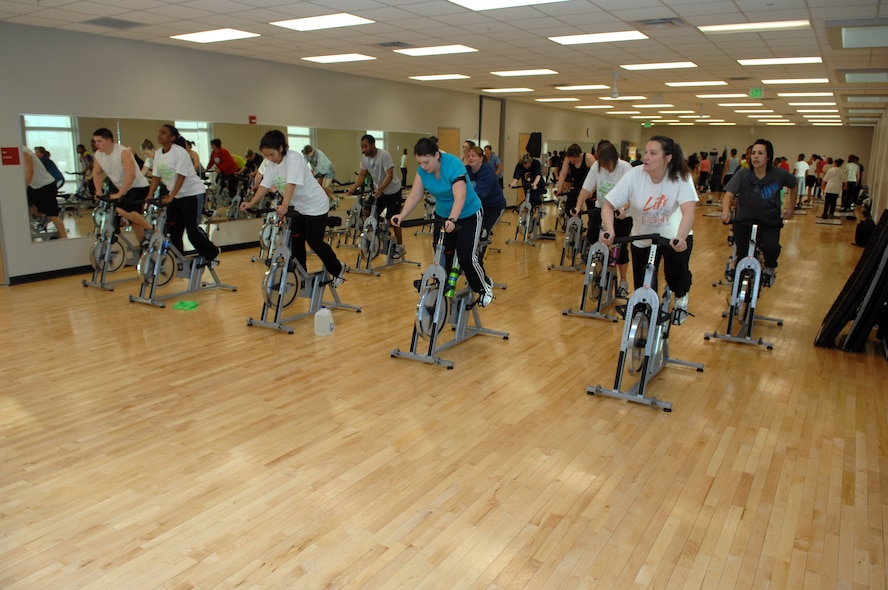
673 65
867 99
780 61
764 116
717 124
215 36
599 38
681 124
822 116
801 94
721 95
744 111
437 50
866 77
622 98
863 37
652 106
817 110
692 117
557 99
504 90
525 73
827 124
676 112
646 117
865 111
624 112
811 104
583 87
327 21
437 77
701 83
341 58
797 81
595 106
780 124
479 5
740 104
667 121
756 27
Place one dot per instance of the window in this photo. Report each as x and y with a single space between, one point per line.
298 137
379 136
198 133
56 135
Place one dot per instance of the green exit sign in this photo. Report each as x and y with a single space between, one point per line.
756 92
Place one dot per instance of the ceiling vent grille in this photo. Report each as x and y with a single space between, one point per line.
660 23
394 45
112 23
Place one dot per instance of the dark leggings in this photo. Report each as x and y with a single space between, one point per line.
849 195
829 204
675 267
312 229
465 242
768 238
182 217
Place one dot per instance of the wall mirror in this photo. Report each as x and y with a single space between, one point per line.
60 135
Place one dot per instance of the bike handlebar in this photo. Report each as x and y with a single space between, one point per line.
661 240
763 223
438 222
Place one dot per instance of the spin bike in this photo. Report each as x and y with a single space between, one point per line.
112 250
644 348
744 298
529 221
377 237
161 262
600 283
574 245
435 310
286 279
270 232
354 221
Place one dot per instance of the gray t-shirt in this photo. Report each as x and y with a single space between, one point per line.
758 199
377 166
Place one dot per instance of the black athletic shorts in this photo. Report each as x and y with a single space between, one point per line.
391 204
134 200
44 199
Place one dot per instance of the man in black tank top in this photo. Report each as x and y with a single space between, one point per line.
573 172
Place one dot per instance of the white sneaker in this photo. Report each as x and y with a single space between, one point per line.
623 290
769 277
400 251
680 310
340 278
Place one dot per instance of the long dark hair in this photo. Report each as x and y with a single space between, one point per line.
426 147
678 167
274 140
179 141
769 149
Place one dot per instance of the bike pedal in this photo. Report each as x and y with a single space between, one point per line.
621 310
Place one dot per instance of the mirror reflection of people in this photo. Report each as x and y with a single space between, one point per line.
42 190
662 198
173 167
322 168
147 149
130 187
50 166
444 176
222 162
379 165
288 173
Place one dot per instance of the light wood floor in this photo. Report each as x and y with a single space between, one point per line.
156 448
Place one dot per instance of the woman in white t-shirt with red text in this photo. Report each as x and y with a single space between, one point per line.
662 198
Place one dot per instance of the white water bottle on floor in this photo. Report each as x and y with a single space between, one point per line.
323 322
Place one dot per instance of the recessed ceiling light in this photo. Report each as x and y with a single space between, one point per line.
340 58
866 77
676 112
327 21
801 94
599 38
811 104
667 121
732 95
864 37
692 84
652 106
691 116
437 50
505 90
838 124
867 99
438 77
817 110
681 124
624 112
764 116
797 81
583 87
542 72
622 98
779 123
673 65
215 36
595 106
754 111
479 5
739 104
565 99
756 27
718 123
646 117
780 61
822 116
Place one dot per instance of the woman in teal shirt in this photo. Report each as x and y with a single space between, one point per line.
444 176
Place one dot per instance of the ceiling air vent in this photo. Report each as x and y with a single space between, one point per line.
394 45
660 23
112 23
